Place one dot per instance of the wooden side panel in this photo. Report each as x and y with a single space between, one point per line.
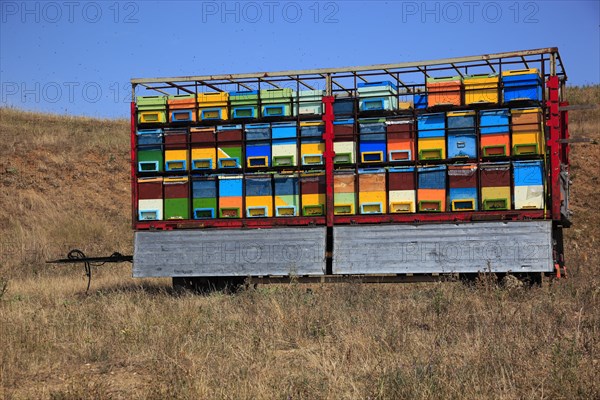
230 252
443 248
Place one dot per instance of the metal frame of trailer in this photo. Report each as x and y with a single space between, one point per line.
550 220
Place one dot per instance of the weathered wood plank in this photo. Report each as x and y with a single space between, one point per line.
443 248
232 252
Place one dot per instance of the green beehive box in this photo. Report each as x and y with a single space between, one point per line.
445 79
146 158
151 102
308 102
229 156
177 209
309 95
204 208
275 96
210 202
243 99
184 97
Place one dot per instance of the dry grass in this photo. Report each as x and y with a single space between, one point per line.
137 339
66 183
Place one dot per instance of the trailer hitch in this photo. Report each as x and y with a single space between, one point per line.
76 256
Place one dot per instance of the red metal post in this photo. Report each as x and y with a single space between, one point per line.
133 155
328 155
553 143
564 134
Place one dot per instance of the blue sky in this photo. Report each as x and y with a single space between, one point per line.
76 57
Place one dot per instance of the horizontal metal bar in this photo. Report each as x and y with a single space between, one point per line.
575 107
403 278
231 223
578 140
110 259
441 217
350 219
449 61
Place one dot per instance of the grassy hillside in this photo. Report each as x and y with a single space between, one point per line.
65 183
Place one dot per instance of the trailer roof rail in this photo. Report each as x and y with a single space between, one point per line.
547 60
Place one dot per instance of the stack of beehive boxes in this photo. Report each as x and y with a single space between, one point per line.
472 143
219 155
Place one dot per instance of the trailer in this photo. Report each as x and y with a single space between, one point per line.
392 172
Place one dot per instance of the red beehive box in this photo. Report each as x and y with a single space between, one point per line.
205 136
176 139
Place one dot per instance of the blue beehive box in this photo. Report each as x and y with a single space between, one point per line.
431 125
372 126
230 187
461 119
528 173
150 154
314 129
377 96
283 130
433 177
373 148
204 189
458 195
258 186
494 121
150 137
343 107
522 85
258 132
258 154
286 186
204 197
462 139
420 101
462 143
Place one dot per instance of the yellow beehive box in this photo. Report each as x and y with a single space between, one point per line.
433 148
152 117
372 202
481 89
176 160
312 153
213 99
259 206
402 201
313 204
212 113
213 106
525 143
204 158
495 198
287 205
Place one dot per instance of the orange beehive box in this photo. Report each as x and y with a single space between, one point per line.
444 91
182 108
